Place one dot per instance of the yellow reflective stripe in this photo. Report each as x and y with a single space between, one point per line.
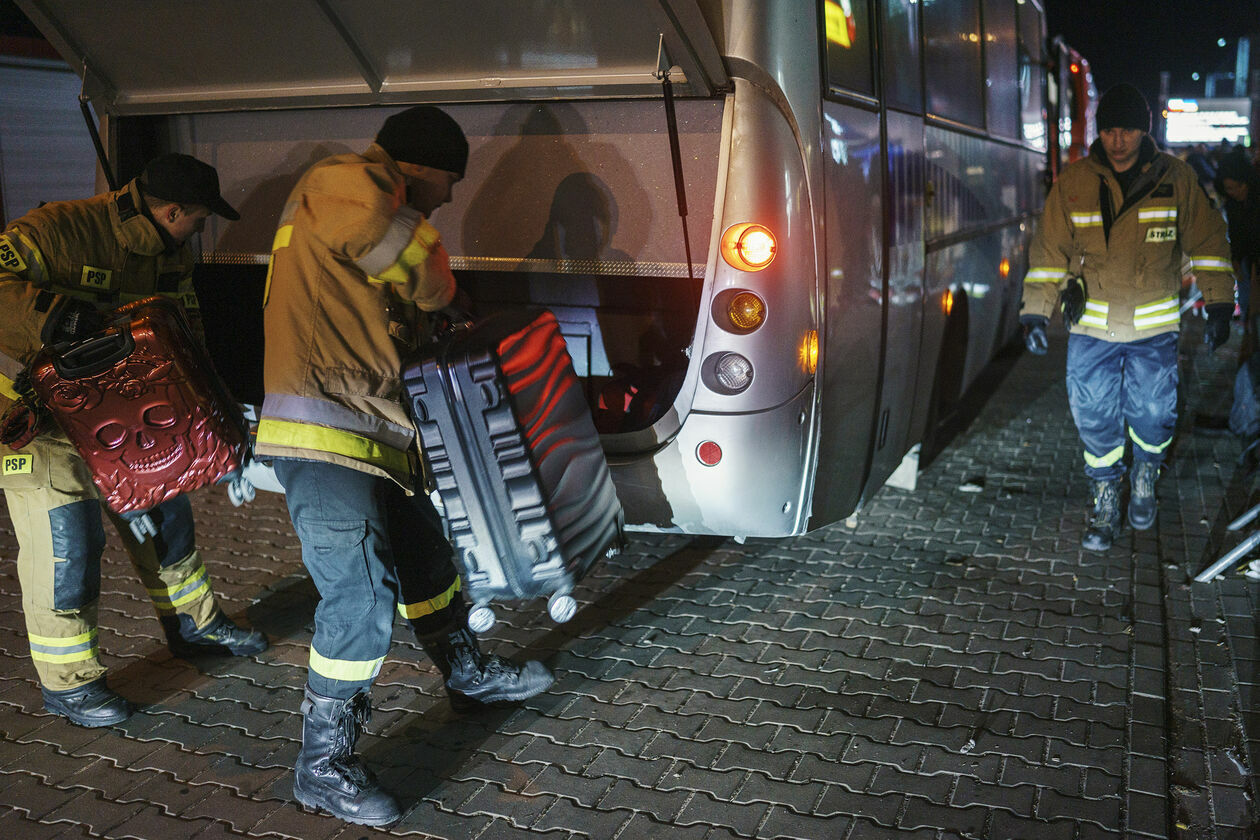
345 670
332 441
6 388
284 235
1087 219
423 240
1095 314
1044 275
1105 460
1156 306
1211 264
187 590
1152 214
1156 314
69 649
432 605
1154 449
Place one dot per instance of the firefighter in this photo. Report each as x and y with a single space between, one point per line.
355 266
61 266
1108 252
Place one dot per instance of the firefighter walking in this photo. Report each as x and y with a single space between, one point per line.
1108 252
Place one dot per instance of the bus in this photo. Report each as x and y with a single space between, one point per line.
782 238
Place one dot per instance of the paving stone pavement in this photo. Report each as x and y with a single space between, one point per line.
953 666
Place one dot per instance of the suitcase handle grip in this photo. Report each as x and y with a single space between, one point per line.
92 355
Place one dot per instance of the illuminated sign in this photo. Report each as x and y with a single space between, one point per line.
1207 120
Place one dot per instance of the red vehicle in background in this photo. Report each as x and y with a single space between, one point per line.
1072 99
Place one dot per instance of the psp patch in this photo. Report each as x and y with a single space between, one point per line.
17 465
95 278
9 256
1161 234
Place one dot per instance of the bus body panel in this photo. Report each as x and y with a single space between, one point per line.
904 264
758 487
849 367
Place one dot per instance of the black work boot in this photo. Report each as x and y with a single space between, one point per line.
218 638
1142 494
91 705
1104 519
329 776
475 679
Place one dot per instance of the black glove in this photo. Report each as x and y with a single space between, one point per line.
77 319
1035 333
1072 300
1216 332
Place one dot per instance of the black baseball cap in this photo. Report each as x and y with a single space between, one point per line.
186 180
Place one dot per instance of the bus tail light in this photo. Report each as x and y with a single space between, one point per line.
746 311
748 246
730 373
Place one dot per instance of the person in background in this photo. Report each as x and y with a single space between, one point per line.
1108 252
1203 167
62 266
1238 185
355 266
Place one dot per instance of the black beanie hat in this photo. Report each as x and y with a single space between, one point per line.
425 136
1123 106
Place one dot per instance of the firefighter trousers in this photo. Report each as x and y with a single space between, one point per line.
56 514
1113 385
371 550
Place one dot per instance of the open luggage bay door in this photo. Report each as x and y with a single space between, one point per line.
218 55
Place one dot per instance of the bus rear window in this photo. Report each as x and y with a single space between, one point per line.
847 24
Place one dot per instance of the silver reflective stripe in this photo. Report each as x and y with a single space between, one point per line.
324 413
1212 264
398 237
1095 314
1162 214
1157 314
1087 219
10 367
1044 275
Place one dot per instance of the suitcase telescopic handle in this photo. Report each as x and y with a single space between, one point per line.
92 355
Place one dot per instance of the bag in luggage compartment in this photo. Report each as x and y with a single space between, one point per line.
143 406
513 448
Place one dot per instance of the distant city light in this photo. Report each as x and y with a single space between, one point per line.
1194 76
1220 42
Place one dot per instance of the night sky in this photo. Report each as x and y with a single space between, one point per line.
1133 40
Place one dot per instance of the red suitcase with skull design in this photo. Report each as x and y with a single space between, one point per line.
141 402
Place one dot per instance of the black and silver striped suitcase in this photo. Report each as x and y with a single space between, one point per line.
513 449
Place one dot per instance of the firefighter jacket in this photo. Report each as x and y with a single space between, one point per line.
1130 249
351 266
104 249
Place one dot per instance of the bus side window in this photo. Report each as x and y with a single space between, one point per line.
1031 38
903 72
999 65
847 24
951 57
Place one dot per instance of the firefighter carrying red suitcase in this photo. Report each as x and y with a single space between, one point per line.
512 446
142 404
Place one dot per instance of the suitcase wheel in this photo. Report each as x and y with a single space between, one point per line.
480 619
562 607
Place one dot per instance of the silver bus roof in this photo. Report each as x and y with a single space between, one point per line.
171 56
